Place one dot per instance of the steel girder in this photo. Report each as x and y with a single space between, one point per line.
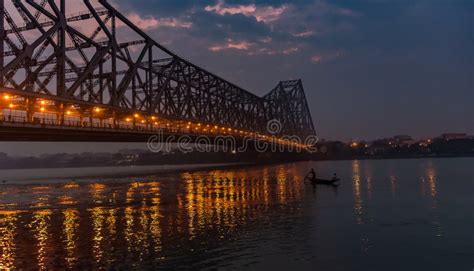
49 53
287 104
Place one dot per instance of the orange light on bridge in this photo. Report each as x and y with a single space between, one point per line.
11 106
6 97
97 110
136 116
42 109
68 113
128 120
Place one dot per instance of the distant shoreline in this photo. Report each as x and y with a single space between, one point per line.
396 157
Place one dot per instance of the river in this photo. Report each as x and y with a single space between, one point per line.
386 215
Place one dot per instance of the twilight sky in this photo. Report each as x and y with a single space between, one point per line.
371 68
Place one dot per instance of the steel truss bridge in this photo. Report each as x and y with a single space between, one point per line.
95 76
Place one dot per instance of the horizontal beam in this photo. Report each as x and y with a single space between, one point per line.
75 18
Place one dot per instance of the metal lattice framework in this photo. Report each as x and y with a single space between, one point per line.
287 104
46 52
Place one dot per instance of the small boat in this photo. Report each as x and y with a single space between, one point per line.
333 181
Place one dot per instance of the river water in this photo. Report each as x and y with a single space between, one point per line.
386 215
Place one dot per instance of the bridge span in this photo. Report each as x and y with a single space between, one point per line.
95 76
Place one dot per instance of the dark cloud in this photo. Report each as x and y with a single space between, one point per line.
163 7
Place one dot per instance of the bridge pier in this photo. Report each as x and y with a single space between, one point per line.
114 119
30 109
59 113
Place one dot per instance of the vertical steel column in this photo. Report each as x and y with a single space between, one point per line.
2 38
61 56
61 114
30 109
150 80
101 82
114 63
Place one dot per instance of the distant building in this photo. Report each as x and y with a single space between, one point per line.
453 136
403 140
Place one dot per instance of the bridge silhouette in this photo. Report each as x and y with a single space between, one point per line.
95 76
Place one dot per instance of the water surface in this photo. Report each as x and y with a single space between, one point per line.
386 215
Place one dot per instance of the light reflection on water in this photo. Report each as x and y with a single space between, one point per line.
260 217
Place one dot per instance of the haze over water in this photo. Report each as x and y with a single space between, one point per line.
386 215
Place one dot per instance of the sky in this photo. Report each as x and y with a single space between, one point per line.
371 68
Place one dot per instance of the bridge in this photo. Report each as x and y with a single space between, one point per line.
95 76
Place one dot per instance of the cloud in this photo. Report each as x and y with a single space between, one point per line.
316 58
253 49
290 50
274 51
153 23
346 12
230 44
326 57
264 14
304 34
